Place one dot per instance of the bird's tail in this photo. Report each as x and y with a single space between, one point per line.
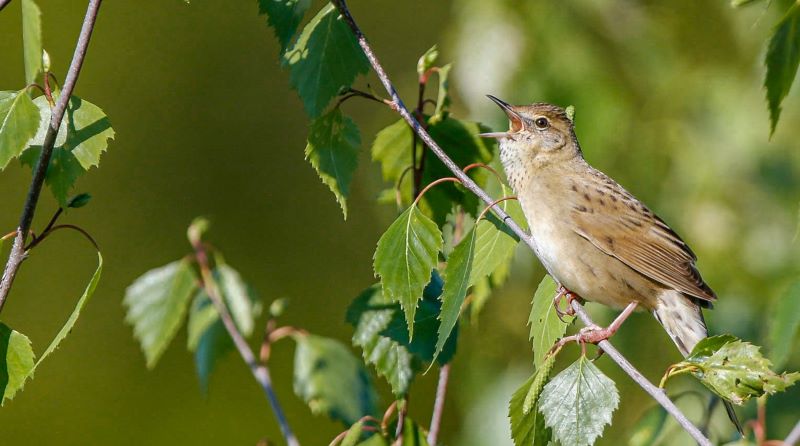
683 320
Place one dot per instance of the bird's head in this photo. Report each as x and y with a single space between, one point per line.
539 134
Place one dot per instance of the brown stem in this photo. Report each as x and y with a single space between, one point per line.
17 255
260 371
438 404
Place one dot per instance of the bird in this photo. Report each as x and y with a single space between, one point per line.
595 239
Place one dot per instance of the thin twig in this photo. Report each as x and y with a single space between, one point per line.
260 371
438 404
794 436
17 255
467 182
4 3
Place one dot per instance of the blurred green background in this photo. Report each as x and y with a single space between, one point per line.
669 102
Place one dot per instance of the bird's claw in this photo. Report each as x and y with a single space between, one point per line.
563 292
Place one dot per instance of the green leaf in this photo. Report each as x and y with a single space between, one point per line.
733 369
740 3
156 304
31 40
333 151
353 435
284 16
331 380
19 120
202 314
375 440
76 312
413 435
443 97
392 149
427 60
79 201
494 247
527 424
80 141
407 253
783 57
546 327
240 299
785 322
213 344
649 427
459 268
578 403
325 59
16 361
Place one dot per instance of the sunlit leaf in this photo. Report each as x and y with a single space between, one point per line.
242 302
459 268
284 16
527 424
407 253
333 151
784 324
494 247
546 327
740 3
156 304
783 57
19 119
62 172
31 40
443 97
16 361
578 403
413 435
734 370
331 380
353 435
325 59
76 312
392 149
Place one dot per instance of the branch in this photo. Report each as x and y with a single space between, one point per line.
467 182
4 3
260 372
18 253
438 404
794 436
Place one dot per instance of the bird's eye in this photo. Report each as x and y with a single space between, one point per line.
541 123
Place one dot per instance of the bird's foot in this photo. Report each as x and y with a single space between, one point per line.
586 335
562 293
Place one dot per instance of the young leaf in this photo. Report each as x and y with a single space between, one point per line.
331 380
405 257
333 151
67 328
546 327
202 314
443 98
31 40
284 16
427 60
392 149
325 59
371 314
16 361
156 304
578 403
785 324
527 424
734 370
240 299
459 268
413 435
494 247
19 120
783 57
353 435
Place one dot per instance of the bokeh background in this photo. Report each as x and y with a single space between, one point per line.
669 101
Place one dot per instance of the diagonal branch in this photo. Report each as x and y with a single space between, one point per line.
794 436
18 254
467 182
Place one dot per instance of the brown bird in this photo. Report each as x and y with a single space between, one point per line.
594 237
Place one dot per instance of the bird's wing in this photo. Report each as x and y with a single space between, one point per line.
618 224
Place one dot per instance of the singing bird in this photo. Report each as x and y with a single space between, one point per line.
597 241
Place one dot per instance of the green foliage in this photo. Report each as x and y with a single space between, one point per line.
353 435
413 435
79 201
240 298
405 257
578 403
459 268
527 424
427 60
649 427
733 369
546 327
156 304
284 16
332 149
81 139
16 361
19 120
443 98
783 57
31 40
392 149
494 246
331 380
325 59
785 322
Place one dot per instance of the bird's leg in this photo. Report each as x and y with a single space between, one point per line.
595 334
564 292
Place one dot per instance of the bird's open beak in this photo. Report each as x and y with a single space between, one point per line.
515 120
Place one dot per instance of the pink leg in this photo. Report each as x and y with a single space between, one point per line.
593 335
562 292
